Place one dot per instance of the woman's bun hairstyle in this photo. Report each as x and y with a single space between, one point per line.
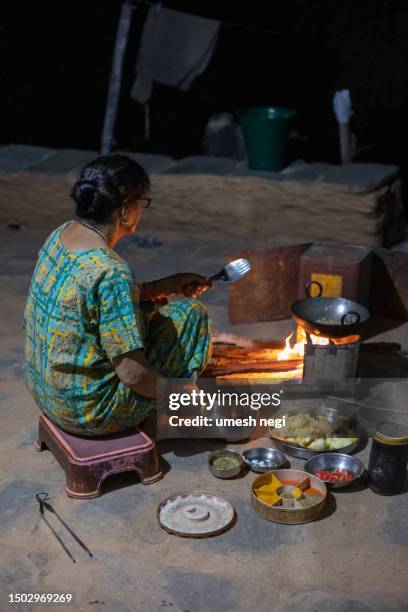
94 201
105 184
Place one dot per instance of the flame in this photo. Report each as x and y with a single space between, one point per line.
290 352
297 350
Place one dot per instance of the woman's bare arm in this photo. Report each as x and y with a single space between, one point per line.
134 371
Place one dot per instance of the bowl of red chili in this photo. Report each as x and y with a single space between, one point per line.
336 470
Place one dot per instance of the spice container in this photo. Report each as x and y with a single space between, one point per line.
225 463
388 458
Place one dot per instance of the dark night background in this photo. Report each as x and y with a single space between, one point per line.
56 57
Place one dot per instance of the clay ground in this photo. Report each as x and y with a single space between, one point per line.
353 559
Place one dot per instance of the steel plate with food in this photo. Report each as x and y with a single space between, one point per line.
309 432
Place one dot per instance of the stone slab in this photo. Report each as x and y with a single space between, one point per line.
152 163
18 157
202 164
62 161
242 169
355 177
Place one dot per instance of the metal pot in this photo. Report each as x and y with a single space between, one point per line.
328 317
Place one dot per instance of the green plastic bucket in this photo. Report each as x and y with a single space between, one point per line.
266 132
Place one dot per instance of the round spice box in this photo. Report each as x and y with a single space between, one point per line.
288 496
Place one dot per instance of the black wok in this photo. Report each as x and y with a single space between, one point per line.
328 316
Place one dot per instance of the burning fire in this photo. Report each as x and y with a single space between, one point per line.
293 354
297 350
290 352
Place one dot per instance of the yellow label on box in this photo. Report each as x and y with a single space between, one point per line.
332 285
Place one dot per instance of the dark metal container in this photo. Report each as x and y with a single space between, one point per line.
387 467
337 360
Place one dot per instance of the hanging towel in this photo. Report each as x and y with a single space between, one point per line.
175 49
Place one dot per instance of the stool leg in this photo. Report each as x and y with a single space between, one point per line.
40 444
82 482
149 468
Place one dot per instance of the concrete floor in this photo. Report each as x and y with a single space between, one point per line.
353 559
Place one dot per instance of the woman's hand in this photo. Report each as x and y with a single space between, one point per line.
185 284
188 285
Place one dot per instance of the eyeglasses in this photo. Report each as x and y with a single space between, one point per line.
136 198
147 202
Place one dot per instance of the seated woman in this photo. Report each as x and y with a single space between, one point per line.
96 346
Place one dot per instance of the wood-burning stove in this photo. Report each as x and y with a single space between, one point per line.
336 360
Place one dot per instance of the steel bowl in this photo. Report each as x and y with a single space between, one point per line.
230 473
332 461
272 458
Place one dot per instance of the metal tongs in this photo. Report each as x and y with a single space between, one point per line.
42 499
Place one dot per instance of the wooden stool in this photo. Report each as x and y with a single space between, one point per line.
88 461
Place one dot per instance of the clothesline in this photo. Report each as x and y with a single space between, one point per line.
230 24
190 55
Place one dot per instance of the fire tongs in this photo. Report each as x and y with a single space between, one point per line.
42 499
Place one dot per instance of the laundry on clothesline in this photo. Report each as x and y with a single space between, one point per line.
175 49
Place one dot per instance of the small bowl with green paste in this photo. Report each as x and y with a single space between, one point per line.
225 463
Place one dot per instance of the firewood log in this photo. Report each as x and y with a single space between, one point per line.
258 366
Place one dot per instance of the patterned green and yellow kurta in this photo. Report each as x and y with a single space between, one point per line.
83 310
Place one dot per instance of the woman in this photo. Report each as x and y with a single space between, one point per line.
95 346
